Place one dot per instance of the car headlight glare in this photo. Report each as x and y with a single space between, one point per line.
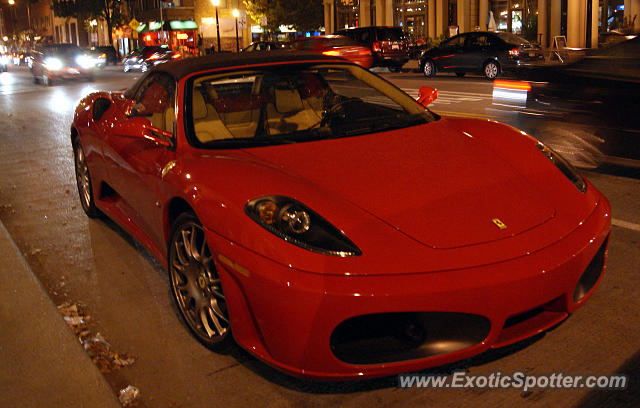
564 166
53 64
295 223
85 61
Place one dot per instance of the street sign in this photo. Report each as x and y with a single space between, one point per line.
134 24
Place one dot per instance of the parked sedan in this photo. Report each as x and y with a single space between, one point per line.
488 53
147 57
53 62
332 225
337 46
588 110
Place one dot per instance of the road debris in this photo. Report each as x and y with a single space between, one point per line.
100 351
128 396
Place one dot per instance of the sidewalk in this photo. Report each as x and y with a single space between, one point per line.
42 363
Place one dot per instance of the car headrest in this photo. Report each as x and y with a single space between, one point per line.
288 100
199 107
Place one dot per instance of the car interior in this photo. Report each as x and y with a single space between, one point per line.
235 108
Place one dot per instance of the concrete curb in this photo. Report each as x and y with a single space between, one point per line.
43 364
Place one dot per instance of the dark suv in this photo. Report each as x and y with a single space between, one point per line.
487 52
388 45
110 53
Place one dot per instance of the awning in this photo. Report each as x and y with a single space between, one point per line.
173 25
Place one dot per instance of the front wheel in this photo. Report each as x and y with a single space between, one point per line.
491 70
196 285
83 180
428 69
394 68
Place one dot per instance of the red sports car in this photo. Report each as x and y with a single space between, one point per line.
336 46
329 223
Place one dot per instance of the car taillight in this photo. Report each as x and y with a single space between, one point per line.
514 52
376 46
364 52
153 57
176 56
332 53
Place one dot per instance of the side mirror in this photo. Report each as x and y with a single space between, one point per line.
140 127
426 95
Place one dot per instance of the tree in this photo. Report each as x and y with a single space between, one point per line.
302 15
108 10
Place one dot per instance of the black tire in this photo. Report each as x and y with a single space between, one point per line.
429 69
36 80
395 68
83 181
491 70
460 74
196 286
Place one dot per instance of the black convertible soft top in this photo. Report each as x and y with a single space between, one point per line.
180 69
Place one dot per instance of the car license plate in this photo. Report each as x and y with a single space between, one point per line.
73 71
395 47
532 54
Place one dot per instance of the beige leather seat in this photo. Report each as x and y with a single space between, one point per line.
206 121
288 113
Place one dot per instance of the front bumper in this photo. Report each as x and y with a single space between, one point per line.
288 317
70 73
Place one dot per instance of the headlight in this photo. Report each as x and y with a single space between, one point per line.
564 166
53 64
299 225
85 61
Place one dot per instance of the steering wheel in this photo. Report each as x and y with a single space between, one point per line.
336 110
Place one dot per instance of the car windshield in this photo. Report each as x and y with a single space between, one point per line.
512 39
63 50
295 104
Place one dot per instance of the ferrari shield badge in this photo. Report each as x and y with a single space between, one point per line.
499 223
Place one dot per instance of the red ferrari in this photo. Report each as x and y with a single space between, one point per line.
331 225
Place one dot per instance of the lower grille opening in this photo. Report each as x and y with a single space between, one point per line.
390 337
514 320
530 322
591 274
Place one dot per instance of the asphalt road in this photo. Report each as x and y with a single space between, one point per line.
126 294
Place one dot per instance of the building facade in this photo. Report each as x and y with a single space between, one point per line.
205 16
579 21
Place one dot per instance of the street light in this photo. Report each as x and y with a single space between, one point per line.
15 19
216 3
235 15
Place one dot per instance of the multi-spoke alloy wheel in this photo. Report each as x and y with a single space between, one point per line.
196 285
429 69
491 70
83 180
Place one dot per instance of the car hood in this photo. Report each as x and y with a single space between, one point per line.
434 183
